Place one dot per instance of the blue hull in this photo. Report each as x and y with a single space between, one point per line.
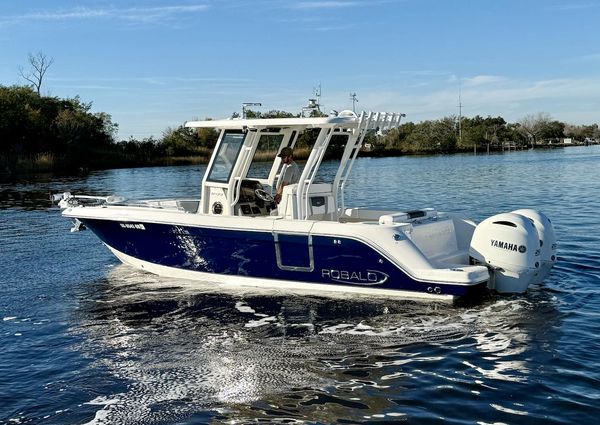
316 259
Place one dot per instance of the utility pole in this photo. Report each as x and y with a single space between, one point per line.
354 100
460 105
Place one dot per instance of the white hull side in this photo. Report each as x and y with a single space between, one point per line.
292 286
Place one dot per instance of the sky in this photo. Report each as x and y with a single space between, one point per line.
154 64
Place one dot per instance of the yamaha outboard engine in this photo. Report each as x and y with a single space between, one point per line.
547 241
509 245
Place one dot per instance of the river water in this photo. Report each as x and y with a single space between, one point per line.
87 340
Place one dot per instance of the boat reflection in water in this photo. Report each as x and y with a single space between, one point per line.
185 350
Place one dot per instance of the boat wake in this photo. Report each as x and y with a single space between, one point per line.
179 348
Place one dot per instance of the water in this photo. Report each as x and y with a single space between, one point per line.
87 340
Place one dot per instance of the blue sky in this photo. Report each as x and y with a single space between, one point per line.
153 64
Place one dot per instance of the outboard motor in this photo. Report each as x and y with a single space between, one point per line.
509 245
547 241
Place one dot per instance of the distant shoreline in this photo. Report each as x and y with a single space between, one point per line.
21 166
45 134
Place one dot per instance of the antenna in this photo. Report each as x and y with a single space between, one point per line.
317 92
314 104
354 100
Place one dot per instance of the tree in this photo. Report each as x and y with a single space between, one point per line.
273 113
422 138
39 64
553 130
31 124
473 132
444 135
580 132
431 136
478 131
207 137
180 141
513 133
533 126
396 138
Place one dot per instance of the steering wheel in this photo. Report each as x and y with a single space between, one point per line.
261 194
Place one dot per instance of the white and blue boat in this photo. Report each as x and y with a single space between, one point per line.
312 240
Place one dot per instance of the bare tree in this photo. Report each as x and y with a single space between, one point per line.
39 64
534 125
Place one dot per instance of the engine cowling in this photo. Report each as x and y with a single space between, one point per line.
509 245
548 243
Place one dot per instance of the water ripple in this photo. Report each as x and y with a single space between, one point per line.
89 341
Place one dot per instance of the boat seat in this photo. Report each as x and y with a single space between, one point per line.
436 238
321 207
287 205
321 204
358 215
189 206
401 217
457 258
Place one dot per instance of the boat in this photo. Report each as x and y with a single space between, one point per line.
312 241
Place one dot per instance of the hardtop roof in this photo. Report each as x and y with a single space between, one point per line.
240 123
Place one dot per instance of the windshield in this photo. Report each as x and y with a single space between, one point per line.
333 153
266 151
226 156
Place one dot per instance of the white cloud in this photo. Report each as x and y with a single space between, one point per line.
574 6
592 57
78 13
325 4
155 13
141 14
339 4
329 28
479 80
574 100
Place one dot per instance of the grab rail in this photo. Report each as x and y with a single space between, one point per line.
367 121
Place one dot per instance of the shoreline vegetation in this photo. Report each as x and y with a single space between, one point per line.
45 134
